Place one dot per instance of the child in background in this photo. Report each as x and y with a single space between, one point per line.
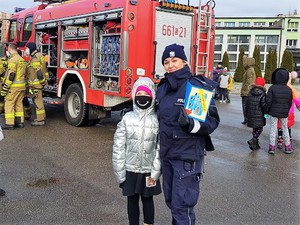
229 88
223 85
278 103
291 116
135 155
255 109
216 75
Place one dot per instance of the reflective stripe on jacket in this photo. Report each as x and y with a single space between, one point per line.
16 64
37 62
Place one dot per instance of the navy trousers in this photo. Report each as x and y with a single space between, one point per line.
181 186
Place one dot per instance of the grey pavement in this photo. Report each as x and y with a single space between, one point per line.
60 174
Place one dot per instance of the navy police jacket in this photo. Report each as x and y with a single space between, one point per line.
176 143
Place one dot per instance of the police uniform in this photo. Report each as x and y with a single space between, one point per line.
37 77
13 90
183 140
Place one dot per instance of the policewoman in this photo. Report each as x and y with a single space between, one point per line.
183 140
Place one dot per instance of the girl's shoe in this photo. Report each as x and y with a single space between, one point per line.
288 149
271 149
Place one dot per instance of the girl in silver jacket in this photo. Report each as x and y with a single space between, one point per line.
135 156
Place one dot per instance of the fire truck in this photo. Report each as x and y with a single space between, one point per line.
95 50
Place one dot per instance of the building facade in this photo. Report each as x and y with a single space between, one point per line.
280 33
4 22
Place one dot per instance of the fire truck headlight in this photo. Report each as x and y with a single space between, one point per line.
128 80
129 72
131 16
130 27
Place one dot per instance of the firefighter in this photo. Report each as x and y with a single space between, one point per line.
26 104
13 89
3 65
37 79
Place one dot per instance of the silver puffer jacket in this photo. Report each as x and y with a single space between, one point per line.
136 147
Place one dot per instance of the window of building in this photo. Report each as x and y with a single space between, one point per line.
262 48
232 66
232 48
229 24
232 57
217 24
235 43
259 24
244 39
244 24
218 43
272 39
291 43
265 42
293 26
217 57
260 39
245 47
218 48
218 39
232 39
273 47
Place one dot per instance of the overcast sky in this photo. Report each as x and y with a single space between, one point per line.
248 8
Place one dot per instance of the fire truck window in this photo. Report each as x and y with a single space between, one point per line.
12 30
27 29
20 21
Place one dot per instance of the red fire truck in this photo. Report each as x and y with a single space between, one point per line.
96 49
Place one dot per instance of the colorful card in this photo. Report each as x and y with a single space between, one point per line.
197 101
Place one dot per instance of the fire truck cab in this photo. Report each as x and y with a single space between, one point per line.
95 50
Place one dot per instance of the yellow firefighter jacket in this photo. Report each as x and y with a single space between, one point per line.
37 65
15 65
3 66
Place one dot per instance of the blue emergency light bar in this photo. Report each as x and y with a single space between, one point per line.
17 9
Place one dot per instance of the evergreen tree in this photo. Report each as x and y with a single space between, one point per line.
225 60
287 61
274 59
291 61
240 70
269 67
256 56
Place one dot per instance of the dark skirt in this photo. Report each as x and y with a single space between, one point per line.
135 183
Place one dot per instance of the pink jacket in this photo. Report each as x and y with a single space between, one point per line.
296 102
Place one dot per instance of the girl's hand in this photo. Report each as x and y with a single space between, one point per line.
150 182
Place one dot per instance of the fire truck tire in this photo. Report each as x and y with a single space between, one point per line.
76 111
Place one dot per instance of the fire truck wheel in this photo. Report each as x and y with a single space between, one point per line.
76 111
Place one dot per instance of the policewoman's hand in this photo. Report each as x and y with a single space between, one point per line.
183 119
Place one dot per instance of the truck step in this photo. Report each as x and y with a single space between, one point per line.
53 101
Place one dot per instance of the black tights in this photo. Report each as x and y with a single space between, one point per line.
256 132
133 209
